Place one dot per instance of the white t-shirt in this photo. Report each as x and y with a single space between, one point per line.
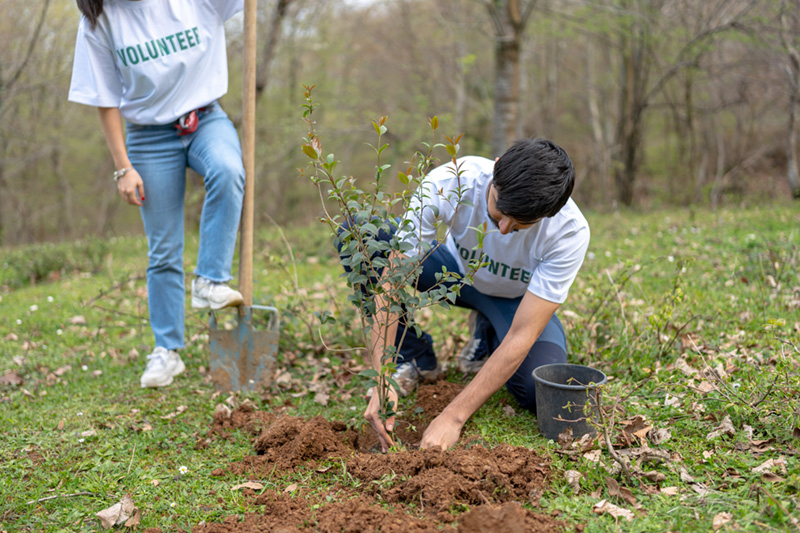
155 60
543 259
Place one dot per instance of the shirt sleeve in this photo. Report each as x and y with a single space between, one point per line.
557 270
227 8
95 78
429 208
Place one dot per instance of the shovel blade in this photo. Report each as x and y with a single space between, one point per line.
244 358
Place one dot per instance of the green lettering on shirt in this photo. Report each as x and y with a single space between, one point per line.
162 46
155 48
132 57
170 38
121 54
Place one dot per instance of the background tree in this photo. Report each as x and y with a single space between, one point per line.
509 19
659 103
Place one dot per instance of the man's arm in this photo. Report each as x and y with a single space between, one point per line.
531 317
383 332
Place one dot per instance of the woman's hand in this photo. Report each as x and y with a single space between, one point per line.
373 415
131 188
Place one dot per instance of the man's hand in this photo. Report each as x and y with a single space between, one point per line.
442 433
373 415
131 188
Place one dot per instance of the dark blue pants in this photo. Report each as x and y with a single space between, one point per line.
550 347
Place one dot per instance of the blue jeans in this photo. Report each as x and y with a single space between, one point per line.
494 321
550 347
161 157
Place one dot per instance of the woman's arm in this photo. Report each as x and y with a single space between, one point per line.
130 186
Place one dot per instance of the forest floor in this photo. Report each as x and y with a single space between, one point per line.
694 317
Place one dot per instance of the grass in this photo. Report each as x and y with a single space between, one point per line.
662 298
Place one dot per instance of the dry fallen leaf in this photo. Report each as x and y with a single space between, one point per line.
11 379
660 435
721 519
725 428
672 401
684 367
622 492
593 456
291 488
322 398
685 476
223 410
655 476
565 438
135 519
118 513
249 485
771 477
769 465
573 478
669 491
617 512
77 320
705 387
179 410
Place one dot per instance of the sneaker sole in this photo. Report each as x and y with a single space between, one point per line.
406 386
470 367
202 303
154 385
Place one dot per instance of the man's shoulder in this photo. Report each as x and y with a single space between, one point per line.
570 218
468 169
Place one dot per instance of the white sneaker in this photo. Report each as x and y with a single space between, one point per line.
409 376
162 366
474 355
207 293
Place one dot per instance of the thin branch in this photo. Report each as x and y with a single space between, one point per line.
40 500
115 287
34 40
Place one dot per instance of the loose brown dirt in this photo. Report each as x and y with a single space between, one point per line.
469 489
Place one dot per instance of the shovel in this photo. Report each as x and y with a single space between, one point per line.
244 358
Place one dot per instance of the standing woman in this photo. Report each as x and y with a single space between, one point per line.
160 66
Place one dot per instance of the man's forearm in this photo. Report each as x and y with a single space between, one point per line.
495 373
531 317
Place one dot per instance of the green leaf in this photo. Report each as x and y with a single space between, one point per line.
309 151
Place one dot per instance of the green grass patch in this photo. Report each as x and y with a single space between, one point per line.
694 316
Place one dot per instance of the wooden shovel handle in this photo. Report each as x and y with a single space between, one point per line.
248 151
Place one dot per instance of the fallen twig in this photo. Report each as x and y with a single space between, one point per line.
60 496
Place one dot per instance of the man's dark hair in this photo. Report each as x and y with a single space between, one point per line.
91 9
534 179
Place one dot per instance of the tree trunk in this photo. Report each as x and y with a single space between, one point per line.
506 95
791 142
510 18
270 43
627 128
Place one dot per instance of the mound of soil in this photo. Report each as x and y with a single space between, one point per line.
426 488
